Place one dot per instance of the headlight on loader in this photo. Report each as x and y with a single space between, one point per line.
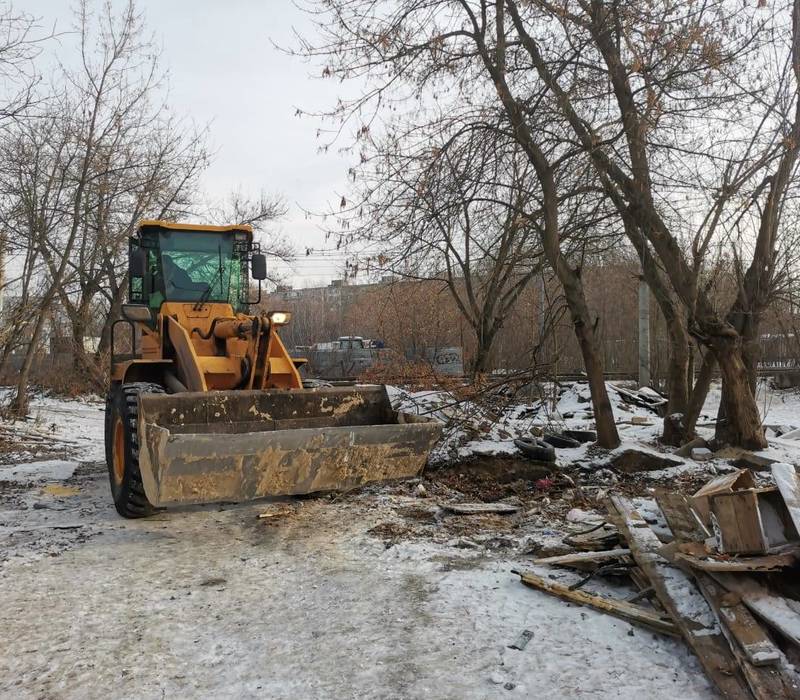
279 318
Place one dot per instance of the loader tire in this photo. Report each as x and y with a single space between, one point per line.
122 448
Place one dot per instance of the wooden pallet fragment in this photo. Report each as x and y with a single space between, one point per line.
761 662
683 601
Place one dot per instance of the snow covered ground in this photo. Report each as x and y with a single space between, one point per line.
212 602
472 431
375 594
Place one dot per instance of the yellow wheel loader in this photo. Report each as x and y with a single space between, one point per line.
207 405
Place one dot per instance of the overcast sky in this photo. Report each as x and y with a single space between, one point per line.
225 71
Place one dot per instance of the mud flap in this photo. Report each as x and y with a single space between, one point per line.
240 445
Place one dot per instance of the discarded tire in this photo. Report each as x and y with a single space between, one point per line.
581 435
536 449
560 441
315 384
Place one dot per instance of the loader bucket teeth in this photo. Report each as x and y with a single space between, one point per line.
239 445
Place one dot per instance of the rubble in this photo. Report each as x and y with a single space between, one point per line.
743 459
739 614
633 460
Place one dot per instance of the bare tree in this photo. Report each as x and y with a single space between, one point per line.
262 213
94 157
452 65
453 212
686 115
686 74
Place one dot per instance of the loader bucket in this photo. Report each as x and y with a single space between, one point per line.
240 445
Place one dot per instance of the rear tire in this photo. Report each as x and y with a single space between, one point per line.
122 448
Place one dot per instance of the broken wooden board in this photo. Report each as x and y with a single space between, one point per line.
759 659
682 600
769 562
638 398
695 554
618 608
781 613
788 483
680 516
753 640
726 483
603 536
480 508
584 557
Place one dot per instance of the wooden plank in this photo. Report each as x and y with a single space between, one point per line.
739 522
480 508
751 646
583 557
683 601
750 636
775 610
603 536
788 483
695 554
680 517
742 479
773 562
618 608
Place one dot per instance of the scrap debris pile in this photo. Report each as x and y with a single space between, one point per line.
727 580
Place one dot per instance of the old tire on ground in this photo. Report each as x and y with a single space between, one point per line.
536 449
581 435
560 441
122 448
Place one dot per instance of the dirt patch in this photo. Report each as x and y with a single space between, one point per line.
632 461
419 514
491 479
391 531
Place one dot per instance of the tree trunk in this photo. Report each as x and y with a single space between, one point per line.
677 382
19 403
84 361
742 422
607 435
484 341
699 393
481 364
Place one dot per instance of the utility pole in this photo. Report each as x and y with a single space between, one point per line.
644 332
2 272
541 306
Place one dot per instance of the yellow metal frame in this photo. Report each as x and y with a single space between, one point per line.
198 363
217 361
246 228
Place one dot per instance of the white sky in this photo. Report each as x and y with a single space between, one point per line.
225 71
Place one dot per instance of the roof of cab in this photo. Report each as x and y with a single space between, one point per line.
194 227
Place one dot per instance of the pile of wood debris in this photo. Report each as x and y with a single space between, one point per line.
727 581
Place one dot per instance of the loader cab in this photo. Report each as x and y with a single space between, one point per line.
187 263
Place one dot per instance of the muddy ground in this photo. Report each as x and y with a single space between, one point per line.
378 593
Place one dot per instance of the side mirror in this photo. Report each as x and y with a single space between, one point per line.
258 266
136 312
137 265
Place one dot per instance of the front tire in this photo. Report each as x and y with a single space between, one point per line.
122 448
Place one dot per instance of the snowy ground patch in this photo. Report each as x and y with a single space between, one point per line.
47 470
